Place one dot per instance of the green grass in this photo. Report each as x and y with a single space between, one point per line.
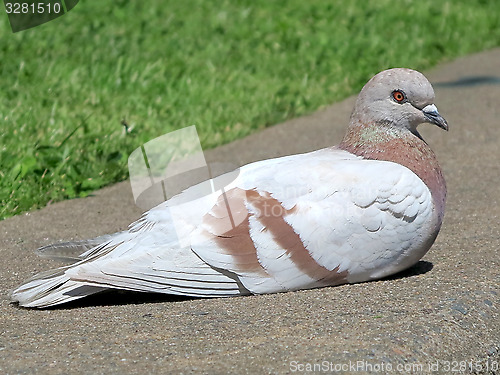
230 67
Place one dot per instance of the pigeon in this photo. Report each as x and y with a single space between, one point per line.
362 210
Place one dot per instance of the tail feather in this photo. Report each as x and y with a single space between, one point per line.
71 252
43 294
51 288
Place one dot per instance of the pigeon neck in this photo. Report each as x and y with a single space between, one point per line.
401 146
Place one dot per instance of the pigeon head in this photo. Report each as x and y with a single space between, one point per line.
398 97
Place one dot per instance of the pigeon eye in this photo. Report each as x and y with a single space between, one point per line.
399 96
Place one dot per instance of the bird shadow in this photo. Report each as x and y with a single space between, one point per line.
124 297
113 297
469 81
420 268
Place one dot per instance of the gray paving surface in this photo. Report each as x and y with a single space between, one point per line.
447 308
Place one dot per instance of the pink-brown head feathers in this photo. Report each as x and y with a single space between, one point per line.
399 97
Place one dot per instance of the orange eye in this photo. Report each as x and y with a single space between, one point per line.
399 96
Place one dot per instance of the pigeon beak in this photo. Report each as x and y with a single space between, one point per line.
432 115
